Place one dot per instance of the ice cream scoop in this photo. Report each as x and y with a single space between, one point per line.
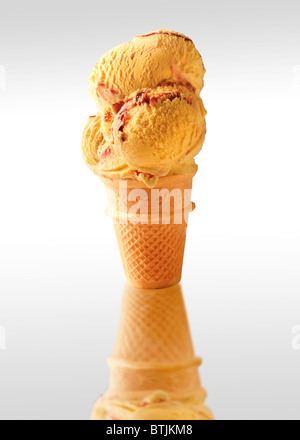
149 61
113 159
158 130
99 154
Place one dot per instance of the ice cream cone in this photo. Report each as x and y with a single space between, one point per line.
150 226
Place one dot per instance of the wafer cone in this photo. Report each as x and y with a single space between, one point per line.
154 349
151 236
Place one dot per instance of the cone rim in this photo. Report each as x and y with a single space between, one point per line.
122 363
134 183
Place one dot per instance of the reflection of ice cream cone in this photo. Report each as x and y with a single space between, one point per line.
151 236
154 348
154 351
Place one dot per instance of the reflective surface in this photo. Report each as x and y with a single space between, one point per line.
153 369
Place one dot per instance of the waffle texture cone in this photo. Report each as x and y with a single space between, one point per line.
151 226
154 349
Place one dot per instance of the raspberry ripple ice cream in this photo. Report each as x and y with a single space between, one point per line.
151 119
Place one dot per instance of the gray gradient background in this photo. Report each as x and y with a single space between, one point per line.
61 279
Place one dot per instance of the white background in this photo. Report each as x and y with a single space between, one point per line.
61 279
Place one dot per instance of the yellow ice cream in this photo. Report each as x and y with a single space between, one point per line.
158 406
158 130
151 120
116 160
99 154
150 60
